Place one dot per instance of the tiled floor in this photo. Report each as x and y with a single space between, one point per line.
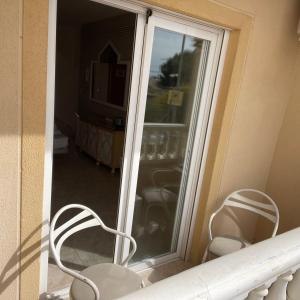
77 179
58 280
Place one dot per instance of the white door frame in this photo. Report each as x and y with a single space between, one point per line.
130 128
49 130
129 155
215 38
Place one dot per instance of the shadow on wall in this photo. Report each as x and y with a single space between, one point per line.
23 257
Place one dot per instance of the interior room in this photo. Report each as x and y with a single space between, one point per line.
93 65
94 58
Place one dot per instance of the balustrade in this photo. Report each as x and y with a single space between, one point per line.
267 270
163 142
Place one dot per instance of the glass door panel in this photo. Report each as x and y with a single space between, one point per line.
176 73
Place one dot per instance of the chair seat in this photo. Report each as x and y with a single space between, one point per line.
112 280
153 195
220 245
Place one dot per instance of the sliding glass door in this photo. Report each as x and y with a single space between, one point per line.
173 69
173 107
173 96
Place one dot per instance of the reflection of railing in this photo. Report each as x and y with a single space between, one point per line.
163 141
268 270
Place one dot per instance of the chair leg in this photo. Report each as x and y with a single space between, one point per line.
205 255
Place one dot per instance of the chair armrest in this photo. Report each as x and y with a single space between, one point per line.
131 239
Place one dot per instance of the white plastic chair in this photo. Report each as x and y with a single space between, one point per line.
160 195
222 245
107 280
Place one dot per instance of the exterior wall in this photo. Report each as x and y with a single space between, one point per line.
254 92
264 93
10 68
34 105
283 183
34 80
263 97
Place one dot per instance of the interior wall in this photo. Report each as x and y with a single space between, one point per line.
95 36
77 46
283 182
10 118
67 74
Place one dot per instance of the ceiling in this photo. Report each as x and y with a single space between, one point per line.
85 11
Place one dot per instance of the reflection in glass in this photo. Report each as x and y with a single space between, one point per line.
172 100
174 58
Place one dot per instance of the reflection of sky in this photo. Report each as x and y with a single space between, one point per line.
166 44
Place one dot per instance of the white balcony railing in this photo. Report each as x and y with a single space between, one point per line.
268 270
164 142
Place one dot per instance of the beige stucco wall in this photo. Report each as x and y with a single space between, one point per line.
34 81
10 68
262 100
34 102
255 90
244 158
264 92
283 183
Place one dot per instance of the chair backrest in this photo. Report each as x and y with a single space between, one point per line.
267 209
89 219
